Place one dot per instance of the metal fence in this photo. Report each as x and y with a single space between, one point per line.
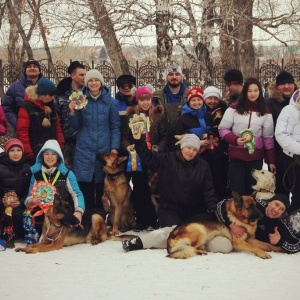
146 72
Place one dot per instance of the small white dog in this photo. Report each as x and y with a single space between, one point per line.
265 184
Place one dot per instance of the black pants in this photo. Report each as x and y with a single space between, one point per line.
93 193
240 178
293 181
141 199
280 170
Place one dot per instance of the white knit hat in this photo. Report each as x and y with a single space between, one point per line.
190 140
212 91
93 74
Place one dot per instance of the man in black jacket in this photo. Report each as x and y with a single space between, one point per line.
65 88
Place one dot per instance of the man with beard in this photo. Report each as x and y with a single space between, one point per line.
16 92
172 97
65 88
280 91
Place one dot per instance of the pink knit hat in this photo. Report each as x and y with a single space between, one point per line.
143 90
13 143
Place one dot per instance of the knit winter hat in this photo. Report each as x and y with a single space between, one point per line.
143 90
13 143
284 77
46 87
31 62
233 76
212 91
194 92
75 64
190 140
282 198
93 74
129 79
174 68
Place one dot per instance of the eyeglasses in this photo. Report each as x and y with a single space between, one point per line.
126 86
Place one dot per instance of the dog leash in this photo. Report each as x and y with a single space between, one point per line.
53 240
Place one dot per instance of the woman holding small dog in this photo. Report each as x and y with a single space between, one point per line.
50 168
157 138
247 126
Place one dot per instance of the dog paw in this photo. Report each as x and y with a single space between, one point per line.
20 249
264 255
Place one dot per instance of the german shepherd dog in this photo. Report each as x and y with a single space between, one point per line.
189 239
117 194
60 229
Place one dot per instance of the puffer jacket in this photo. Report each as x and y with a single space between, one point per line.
3 123
98 126
14 97
66 184
30 130
14 176
64 89
185 186
262 127
158 129
287 130
276 102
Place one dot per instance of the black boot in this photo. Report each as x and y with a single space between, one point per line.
133 244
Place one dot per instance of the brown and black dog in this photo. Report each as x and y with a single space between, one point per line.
189 239
117 194
58 229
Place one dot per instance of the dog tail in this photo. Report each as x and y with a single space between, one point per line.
182 251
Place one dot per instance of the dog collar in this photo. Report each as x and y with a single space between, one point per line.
113 176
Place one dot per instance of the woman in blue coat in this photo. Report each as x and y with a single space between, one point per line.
98 126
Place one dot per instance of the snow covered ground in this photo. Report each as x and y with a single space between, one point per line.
106 272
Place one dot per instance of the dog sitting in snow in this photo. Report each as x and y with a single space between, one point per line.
265 184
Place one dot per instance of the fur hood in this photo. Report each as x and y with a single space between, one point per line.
31 92
275 94
157 110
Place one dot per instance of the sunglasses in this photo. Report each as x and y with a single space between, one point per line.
126 86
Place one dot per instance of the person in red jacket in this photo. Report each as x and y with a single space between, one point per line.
38 120
3 122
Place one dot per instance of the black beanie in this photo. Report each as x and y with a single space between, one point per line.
31 62
233 76
282 198
284 77
129 79
75 64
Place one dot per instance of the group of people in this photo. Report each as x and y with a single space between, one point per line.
218 144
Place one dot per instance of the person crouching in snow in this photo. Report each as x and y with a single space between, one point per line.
50 168
37 119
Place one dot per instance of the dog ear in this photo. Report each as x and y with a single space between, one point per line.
121 159
237 199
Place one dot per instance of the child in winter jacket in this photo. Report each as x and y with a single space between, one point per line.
37 119
247 126
156 138
14 182
50 168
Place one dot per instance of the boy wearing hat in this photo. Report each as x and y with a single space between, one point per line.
172 96
14 183
271 228
234 84
280 91
14 96
37 119
65 88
